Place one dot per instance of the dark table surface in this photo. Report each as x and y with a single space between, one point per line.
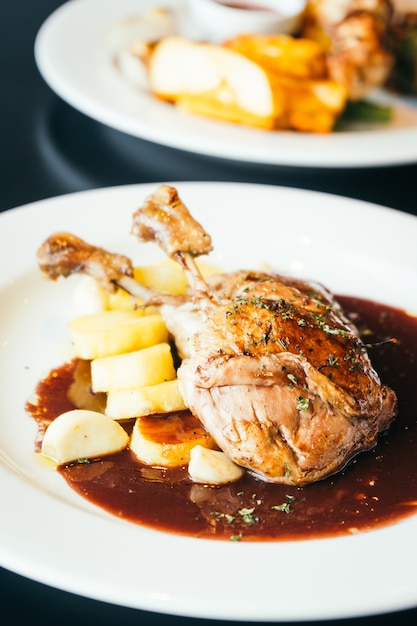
47 149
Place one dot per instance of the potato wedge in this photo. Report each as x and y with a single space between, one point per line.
162 398
166 441
282 54
80 434
213 81
132 370
114 332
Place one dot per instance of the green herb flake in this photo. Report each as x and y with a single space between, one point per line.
292 379
284 507
332 359
247 515
302 403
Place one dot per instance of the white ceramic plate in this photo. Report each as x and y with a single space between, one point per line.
74 59
50 534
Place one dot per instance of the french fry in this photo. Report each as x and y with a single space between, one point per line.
312 105
282 55
297 69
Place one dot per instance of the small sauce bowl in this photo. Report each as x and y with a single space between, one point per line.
219 20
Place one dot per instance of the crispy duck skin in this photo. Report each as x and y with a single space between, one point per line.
271 365
404 38
63 254
357 35
280 378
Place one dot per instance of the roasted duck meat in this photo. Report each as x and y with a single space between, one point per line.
357 36
271 365
404 43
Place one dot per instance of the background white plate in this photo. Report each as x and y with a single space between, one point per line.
74 59
50 534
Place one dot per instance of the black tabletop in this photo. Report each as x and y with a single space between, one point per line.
47 149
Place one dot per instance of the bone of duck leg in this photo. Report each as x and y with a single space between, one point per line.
165 220
63 254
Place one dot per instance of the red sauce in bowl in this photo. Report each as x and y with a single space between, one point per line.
242 6
377 488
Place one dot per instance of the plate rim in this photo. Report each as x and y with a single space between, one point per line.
159 597
169 127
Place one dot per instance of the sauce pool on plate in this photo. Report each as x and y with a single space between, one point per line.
376 488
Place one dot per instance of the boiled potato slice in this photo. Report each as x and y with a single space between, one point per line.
162 398
212 467
166 441
81 434
131 370
112 332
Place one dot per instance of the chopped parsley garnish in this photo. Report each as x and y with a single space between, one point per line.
285 507
302 403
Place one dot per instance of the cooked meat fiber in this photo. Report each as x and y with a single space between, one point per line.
357 35
274 370
271 365
280 378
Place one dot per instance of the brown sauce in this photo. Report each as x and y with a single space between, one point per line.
377 488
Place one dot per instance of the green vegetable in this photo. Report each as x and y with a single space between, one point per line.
365 111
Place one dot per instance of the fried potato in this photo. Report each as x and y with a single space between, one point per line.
282 54
297 68
113 332
168 276
161 398
313 105
167 441
132 370
213 81
266 81
165 276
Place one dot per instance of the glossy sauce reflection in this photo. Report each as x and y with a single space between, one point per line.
377 488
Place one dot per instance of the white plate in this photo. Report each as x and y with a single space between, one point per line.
50 534
73 57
